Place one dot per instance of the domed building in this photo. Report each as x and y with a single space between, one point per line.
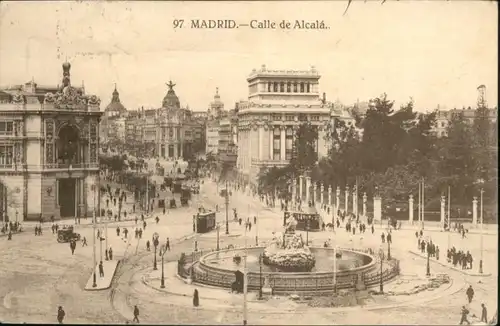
49 151
171 101
112 125
115 107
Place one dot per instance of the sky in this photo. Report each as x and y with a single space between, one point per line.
436 52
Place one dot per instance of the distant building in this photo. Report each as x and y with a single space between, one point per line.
167 132
49 145
443 118
278 102
114 120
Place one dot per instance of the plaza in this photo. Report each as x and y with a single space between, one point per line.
35 269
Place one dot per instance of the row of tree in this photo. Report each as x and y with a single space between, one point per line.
390 151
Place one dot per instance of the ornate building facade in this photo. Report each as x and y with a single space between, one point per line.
167 132
278 102
48 151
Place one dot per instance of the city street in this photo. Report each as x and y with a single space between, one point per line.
41 274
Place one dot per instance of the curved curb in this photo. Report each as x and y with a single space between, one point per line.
433 295
451 267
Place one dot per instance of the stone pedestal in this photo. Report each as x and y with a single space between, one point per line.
308 190
330 196
346 203
337 200
322 194
377 209
410 209
442 210
301 187
365 198
474 211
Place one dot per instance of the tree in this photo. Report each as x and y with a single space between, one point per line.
304 145
458 164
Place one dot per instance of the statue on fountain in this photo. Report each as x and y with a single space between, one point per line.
288 251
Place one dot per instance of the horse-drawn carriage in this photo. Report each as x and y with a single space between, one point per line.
67 234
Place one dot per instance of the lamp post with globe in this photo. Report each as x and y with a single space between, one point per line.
155 244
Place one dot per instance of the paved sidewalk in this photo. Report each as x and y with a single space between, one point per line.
103 283
470 272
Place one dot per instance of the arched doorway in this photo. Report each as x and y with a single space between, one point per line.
68 145
68 153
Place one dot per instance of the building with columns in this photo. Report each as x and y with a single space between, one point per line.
49 144
167 132
278 102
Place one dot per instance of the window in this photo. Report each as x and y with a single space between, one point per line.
269 87
276 87
282 87
302 87
289 117
288 143
315 118
276 144
288 87
295 87
170 133
178 133
276 117
6 155
442 124
308 88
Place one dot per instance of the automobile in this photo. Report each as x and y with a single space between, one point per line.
67 234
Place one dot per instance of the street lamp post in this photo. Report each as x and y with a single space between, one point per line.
256 232
260 276
218 229
162 252
155 243
481 238
227 209
388 250
381 255
428 271
94 281
334 270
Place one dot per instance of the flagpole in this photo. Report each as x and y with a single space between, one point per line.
245 282
449 215
419 203
423 202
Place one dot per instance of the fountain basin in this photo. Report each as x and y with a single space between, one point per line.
355 267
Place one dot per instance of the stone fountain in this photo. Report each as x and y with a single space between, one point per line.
288 251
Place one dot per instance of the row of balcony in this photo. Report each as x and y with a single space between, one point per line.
49 167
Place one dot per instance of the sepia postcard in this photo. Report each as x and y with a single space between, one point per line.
249 162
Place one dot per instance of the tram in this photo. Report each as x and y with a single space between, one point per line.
307 220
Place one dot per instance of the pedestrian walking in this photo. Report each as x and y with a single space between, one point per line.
163 211
167 245
136 220
101 269
136 314
84 242
373 229
196 298
464 314
110 253
157 219
484 313
470 293
72 246
118 231
60 314
148 246
144 225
